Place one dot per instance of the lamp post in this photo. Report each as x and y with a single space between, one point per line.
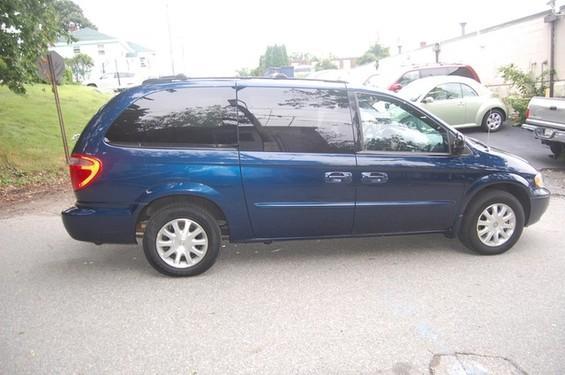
437 49
171 54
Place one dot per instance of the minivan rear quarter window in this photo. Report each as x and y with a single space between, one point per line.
186 117
301 120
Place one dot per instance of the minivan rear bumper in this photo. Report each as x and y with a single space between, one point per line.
100 225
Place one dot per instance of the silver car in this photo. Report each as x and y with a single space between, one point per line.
459 101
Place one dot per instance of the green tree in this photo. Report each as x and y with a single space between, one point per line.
303 58
373 54
81 65
274 56
524 86
247 72
27 28
324 64
68 12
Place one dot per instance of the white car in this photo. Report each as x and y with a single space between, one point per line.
115 81
459 101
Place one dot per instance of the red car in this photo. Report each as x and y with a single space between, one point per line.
395 80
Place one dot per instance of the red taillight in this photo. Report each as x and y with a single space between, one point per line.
395 87
527 113
84 170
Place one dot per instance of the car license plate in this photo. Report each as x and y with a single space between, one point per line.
548 133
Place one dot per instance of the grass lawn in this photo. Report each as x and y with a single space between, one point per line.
31 150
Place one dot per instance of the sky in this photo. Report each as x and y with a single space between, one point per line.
216 38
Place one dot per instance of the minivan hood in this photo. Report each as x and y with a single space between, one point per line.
502 160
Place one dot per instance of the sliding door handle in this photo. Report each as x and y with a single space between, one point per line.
374 177
338 177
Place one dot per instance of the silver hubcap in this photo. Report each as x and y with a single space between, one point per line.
494 120
496 224
182 243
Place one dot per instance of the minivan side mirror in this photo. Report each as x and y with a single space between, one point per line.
428 100
458 145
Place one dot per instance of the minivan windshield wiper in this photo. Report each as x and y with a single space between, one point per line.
480 142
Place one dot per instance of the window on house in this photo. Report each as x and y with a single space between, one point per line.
142 62
101 50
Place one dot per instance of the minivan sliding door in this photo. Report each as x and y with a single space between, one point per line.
297 160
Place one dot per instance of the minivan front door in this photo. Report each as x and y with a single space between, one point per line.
407 180
297 160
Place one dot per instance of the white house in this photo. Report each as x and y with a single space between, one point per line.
110 54
524 42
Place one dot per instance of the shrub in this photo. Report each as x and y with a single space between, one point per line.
523 86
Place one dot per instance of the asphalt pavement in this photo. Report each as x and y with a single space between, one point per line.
398 305
395 305
520 142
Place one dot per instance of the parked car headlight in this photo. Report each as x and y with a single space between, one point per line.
538 180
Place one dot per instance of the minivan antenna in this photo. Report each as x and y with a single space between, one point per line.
488 129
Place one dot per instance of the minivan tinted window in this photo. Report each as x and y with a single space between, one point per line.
200 116
304 120
389 126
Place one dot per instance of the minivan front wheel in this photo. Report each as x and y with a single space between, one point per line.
181 241
493 223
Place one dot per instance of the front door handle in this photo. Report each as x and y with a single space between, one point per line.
374 177
338 177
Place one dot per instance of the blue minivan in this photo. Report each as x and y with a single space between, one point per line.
183 164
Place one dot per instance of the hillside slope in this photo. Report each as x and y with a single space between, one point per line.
31 150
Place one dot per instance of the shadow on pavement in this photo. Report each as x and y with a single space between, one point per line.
107 260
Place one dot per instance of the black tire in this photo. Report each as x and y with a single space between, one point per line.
468 232
484 125
164 216
556 148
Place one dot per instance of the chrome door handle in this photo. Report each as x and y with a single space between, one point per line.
374 177
338 177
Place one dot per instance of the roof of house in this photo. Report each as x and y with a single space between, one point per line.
138 48
87 35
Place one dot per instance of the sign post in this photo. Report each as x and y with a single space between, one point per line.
52 69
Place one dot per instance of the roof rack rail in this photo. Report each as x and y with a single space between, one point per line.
165 79
182 77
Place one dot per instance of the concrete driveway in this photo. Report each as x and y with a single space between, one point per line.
375 305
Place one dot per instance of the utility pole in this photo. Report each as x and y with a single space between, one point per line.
171 55
552 19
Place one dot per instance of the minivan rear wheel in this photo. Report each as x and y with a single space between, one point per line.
181 241
492 223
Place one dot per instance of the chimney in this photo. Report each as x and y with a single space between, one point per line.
462 24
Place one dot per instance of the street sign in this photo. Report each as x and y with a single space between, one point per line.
58 67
